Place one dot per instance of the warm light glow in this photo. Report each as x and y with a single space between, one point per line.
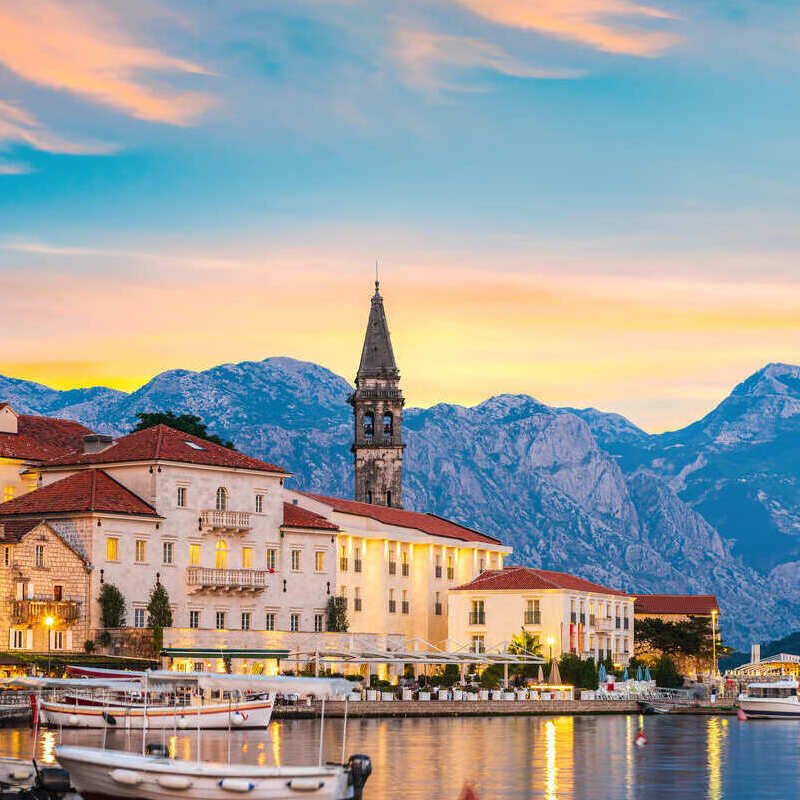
551 771
550 641
715 736
49 622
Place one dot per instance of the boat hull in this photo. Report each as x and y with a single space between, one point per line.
113 774
771 709
252 714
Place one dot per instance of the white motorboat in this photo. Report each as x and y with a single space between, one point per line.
777 699
98 773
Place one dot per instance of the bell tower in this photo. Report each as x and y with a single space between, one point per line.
378 415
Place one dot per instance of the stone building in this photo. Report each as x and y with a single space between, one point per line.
378 416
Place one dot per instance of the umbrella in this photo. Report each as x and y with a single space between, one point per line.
601 674
647 674
555 675
541 674
625 674
639 672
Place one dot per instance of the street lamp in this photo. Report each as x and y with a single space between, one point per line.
49 622
550 641
714 613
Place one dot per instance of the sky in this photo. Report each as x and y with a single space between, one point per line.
594 202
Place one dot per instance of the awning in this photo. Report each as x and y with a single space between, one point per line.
203 652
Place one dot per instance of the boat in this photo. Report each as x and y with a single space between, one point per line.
98 774
777 699
653 708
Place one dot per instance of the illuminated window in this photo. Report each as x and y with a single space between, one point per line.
296 560
222 499
194 554
259 503
181 497
247 559
112 548
141 549
168 552
222 555
272 558
343 559
8 493
319 561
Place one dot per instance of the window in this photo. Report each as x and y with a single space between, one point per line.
6 556
194 619
482 565
343 558
369 496
319 561
388 426
222 499
269 621
168 552
259 504
246 616
39 555
219 620
533 615
478 644
141 550
57 640
112 548
139 618
296 560
437 606
318 623
437 569
392 563
194 554
247 557
17 640
181 497
356 559
8 493
272 559
389 499
294 622
405 606
477 615
392 602
58 593
451 571
221 555
404 563
369 426
357 599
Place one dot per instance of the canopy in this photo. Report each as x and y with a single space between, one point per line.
625 674
647 674
639 673
285 684
101 672
26 682
555 676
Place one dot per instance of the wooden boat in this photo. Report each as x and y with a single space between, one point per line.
98 774
776 700
653 708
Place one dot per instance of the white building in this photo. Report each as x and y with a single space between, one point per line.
568 614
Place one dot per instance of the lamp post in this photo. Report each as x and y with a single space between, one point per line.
48 621
550 641
714 613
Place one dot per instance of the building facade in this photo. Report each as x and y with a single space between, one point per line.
567 614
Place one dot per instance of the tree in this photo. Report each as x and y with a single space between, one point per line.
159 614
337 614
112 607
525 645
666 673
578 672
188 423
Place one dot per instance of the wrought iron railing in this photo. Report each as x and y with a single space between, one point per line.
212 578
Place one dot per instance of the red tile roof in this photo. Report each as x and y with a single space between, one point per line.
528 578
163 443
427 523
299 517
675 604
14 530
90 490
42 438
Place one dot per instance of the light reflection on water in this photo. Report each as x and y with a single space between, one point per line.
507 758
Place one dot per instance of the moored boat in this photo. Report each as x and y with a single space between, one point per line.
777 699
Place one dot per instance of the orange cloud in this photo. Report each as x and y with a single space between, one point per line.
584 21
423 54
81 48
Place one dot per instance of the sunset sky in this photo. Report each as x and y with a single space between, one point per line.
591 201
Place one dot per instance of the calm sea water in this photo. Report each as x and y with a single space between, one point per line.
555 758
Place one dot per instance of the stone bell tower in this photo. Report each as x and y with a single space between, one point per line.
378 414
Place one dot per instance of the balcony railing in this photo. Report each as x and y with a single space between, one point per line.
591 620
226 580
605 623
357 604
437 571
392 606
405 607
437 609
393 568
533 617
357 565
573 617
32 610
583 619
618 623
625 623
477 618
228 521
343 564
404 570
451 573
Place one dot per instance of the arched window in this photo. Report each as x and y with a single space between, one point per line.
369 495
389 499
222 555
222 499
369 426
388 425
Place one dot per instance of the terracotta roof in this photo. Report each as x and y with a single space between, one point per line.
42 438
427 523
166 444
89 490
14 530
299 517
675 603
528 578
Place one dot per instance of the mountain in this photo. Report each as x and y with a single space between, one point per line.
711 508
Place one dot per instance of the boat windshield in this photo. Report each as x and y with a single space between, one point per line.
771 691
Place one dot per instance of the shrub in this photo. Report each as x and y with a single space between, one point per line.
666 673
112 607
88 646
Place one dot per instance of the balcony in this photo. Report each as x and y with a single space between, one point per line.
477 618
357 565
35 609
206 579
225 521
533 618
605 624
451 573
343 564
393 568
437 571
404 570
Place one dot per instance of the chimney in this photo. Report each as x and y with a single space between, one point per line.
755 653
96 442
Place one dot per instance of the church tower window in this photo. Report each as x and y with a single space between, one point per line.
369 426
388 427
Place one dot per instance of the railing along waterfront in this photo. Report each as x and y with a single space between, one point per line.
35 608
231 579
225 520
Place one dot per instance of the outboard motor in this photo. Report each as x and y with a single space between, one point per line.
360 767
52 783
156 750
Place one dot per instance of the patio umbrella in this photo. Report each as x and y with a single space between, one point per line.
541 674
647 674
555 675
625 674
601 674
639 672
